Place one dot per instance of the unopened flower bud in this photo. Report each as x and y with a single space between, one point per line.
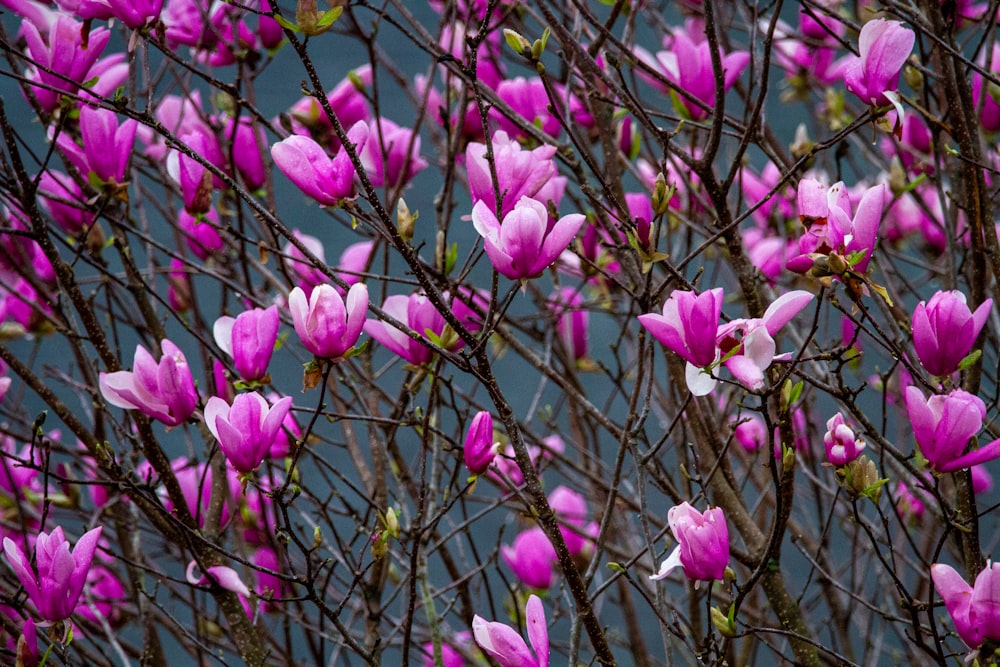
912 75
405 220
661 195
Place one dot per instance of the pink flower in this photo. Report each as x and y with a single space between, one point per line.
327 326
520 173
107 146
842 446
136 13
753 339
529 99
507 647
56 581
703 543
247 139
525 244
943 425
832 230
874 76
570 508
62 198
531 558
348 102
572 321
391 155
418 313
750 433
201 235
944 330
688 65
688 325
984 94
247 429
162 390
306 164
249 339
224 577
974 610
63 54
480 448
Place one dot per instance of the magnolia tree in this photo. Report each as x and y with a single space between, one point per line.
690 356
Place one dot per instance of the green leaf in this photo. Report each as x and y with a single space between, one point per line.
329 17
970 360
285 23
451 258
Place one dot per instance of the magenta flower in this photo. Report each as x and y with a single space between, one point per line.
63 54
201 236
572 321
507 647
327 326
63 199
107 146
525 244
530 100
688 328
306 164
753 339
702 543
196 181
943 425
55 583
391 155
450 657
247 429
247 139
944 330
136 13
841 445
973 609
162 390
751 433
874 76
520 173
570 508
688 65
531 558
827 211
419 314
249 339
347 101
984 94
480 448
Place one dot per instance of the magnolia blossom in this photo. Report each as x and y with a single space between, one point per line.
842 446
747 345
570 508
572 321
884 46
306 164
162 390
391 155
245 430
831 228
249 339
480 448
524 244
688 325
532 558
702 543
519 173
530 100
55 582
327 326
64 62
507 647
136 13
688 65
107 146
973 609
945 329
943 426
418 313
